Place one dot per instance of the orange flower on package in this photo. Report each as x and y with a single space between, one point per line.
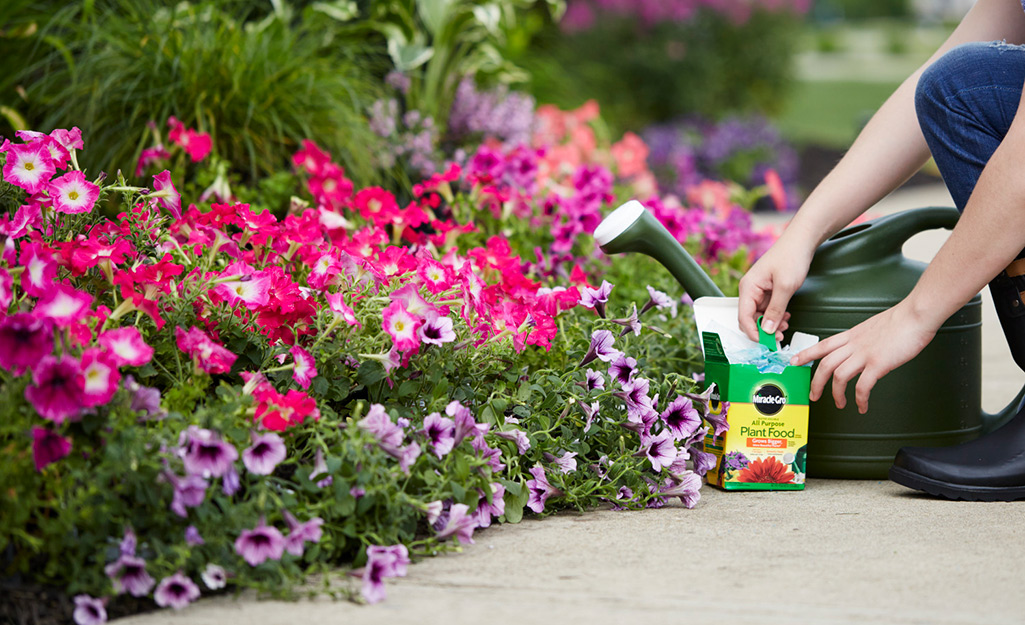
766 471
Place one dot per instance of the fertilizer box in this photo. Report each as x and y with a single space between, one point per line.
767 413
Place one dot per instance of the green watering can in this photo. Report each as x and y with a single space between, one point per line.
933 400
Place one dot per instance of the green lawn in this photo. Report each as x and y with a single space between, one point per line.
831 112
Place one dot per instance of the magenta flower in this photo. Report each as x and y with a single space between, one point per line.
251 290
436 330
89 611
73 194
540 489
517 436
336 302
128 574
29 166
596 298
600 348
485 511
681 418
460 524
442 433
382 562
100 375
378 423
301 533
264 454
401 326
260 544
24 340
622 368
214 576
64 305
6 289
205 453
57 391
686 486
176 591
167 196
660 450
126 346
211 356
48 447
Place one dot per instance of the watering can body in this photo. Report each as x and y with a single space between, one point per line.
933 400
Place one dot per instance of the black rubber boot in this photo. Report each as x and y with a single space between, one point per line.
991 467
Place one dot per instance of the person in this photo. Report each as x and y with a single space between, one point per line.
961 107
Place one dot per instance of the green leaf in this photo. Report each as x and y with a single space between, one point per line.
516 497
434 14
341 10
408 388
408 56
370 373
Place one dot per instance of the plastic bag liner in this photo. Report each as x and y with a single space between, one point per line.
718 315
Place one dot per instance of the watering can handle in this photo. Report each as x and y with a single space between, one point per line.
867 242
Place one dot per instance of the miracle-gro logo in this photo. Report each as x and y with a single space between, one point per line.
769 399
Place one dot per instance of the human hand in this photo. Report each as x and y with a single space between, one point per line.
872 349
767 288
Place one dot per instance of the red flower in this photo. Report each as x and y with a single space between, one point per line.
766 471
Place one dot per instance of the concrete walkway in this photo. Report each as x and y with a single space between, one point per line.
840 552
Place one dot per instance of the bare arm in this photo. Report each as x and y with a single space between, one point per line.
887 152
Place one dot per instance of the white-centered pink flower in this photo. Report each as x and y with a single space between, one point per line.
29 166
305 368
401 326
72 193
126 346
64 305
165 193
100 376
251 290
338 306
6 289
40 268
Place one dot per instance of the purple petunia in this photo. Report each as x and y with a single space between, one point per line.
594 380
301 533
485 511
378 423
681 418
214 576
260 544
600 347
596 298
622 368
205 454
320 468
189 492
686 486
89 610
658 299
176 591
590 411
540 489
441 431
128 574
382 562
660 450
517 436
192 536
460 524
264 454
437 330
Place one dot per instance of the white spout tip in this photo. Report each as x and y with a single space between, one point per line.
617 222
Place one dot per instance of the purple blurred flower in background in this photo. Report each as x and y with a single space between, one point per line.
176 591
505 115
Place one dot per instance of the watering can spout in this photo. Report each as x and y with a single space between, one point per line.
632 228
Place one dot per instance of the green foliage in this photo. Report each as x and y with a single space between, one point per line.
708 65
258 86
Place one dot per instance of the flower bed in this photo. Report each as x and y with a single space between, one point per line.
204 397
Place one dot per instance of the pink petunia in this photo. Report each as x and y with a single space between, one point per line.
197 144
337 304
100 377
252 289
305 368
58 388
48 447
167 196
401 326
25 340
29 166
40 268
126 346
211 356
64 305
73 194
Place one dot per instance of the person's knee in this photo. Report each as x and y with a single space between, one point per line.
940 81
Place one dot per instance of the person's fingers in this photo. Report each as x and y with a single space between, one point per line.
777 308
819 350
863 389
829 362
750 299
841 376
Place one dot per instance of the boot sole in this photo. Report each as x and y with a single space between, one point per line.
949 490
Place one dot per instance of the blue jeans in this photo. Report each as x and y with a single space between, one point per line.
965 103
